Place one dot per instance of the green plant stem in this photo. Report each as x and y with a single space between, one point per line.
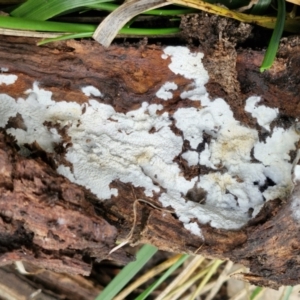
257 291
125 31
46 9
154 12
127 273
74 30
25 24
275 39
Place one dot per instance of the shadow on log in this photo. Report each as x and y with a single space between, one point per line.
65 226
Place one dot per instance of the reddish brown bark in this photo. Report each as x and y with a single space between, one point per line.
33 195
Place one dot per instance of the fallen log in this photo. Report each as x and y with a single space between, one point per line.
200 146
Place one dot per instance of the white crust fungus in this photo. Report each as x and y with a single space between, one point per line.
90 90
164 92
8 109
3 69
190 66
7 78
108 145
139 147
192 158
295 194
263 114
296 174
235 182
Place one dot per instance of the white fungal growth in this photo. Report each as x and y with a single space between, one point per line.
295 194
233 185
264 115
274 154
295 204
164 92
139 147
106 145
61 221
192 158
109 146
8 109
7 79
35 110
91 91
190 66
297 173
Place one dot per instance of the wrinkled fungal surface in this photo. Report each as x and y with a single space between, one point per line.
239 170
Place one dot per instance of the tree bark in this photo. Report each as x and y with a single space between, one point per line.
60 225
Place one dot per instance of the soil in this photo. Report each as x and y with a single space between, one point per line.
207 30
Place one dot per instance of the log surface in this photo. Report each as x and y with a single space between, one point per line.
33 196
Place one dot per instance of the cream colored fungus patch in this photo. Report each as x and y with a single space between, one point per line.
139 147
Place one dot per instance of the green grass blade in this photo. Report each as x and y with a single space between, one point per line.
275 39
154 12
149 31
287 293
25 24
153 286
260 7
125 31
45 9
66 37
49 26
127 273
256 292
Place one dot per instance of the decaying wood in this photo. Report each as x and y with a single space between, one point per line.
47 219
33 195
